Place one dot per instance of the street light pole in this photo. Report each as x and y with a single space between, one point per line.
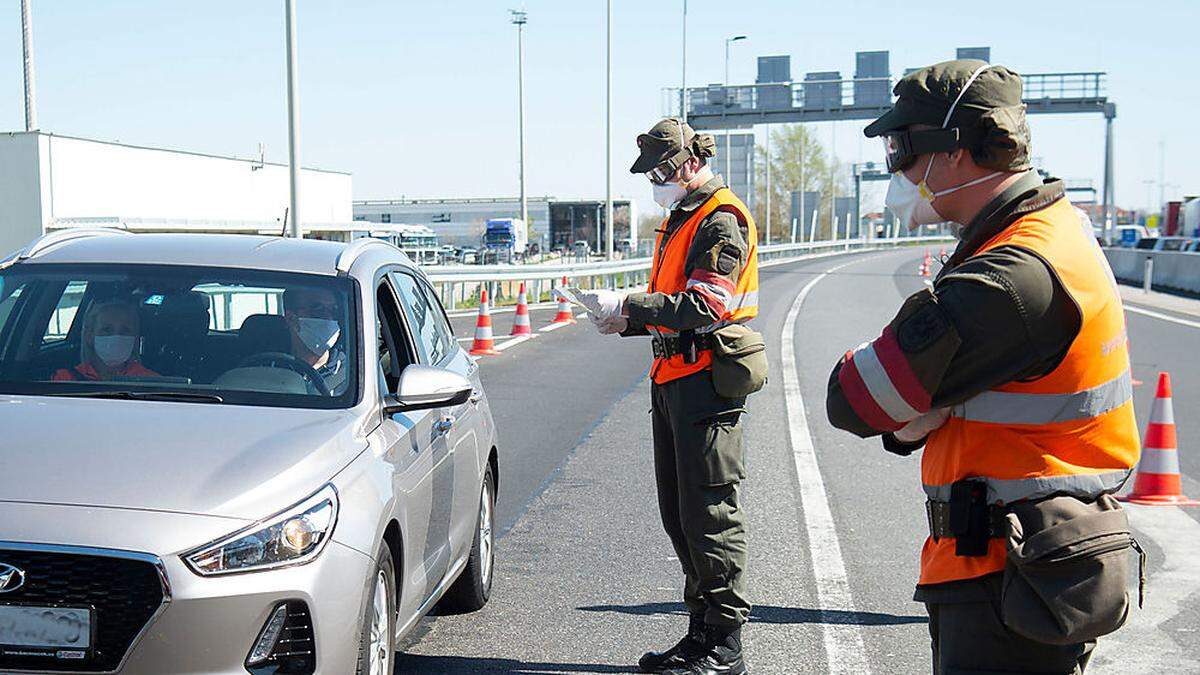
608 204
518 18
27 52
293 110
728 41
683 75
768 214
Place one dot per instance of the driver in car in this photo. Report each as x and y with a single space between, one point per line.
312 316
111 333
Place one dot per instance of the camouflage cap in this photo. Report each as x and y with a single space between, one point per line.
667 140
990 112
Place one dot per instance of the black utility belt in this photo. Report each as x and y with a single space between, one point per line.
941 527
967 518
688 343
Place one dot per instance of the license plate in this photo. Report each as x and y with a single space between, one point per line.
45 627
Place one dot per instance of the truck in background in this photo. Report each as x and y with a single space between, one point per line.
1189 225
505 240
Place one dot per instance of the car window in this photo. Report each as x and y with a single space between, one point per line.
426 319
1172 244
389 332
65 311
246 337
1146 243
445 331
9 296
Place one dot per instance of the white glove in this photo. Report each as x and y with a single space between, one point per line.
612 326
922 426
602 304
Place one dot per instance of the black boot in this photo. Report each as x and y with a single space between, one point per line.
692 644
722 655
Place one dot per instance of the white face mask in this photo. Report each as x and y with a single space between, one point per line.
318 335
114 350
913 204
669 195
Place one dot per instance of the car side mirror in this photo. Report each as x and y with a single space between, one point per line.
424 387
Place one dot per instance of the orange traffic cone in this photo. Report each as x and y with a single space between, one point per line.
484 345
564 314
521 321
1157 480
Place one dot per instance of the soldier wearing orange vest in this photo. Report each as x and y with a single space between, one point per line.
1013 373
704 279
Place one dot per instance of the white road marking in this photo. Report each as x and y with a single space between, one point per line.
1164 317
554 326
1146 645
514 341
843 640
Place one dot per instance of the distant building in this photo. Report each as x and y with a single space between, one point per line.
739 173
48 182
461 221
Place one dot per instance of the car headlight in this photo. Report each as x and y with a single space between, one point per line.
292 537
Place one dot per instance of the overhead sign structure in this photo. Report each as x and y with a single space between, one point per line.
826 96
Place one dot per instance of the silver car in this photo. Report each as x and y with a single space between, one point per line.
232 454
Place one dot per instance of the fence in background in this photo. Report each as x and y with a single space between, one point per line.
1171 270
460 285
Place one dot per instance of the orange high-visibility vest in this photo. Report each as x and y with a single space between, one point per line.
1069 432
668 275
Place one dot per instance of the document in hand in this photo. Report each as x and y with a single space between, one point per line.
572 295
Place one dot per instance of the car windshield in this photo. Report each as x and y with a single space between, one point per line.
192 334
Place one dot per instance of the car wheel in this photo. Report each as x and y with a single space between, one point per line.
473 587
377 637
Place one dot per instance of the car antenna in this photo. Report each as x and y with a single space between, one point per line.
285 217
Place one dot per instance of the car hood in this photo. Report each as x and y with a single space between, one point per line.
209 459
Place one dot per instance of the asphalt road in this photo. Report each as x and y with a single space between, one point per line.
586 581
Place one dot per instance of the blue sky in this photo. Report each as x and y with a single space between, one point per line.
418 99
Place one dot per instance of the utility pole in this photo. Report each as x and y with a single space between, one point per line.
800 128
293 111
768 218
683 75
832 185
608 204
518 18
1162 173
27 52
728 41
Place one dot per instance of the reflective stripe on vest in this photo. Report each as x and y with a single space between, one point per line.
1007 407
1069 432
668 275
1000 491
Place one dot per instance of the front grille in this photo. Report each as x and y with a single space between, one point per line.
123 592
294 652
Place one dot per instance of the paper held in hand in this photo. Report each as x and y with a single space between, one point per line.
571 295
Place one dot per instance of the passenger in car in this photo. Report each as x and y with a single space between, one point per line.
313 317
110 335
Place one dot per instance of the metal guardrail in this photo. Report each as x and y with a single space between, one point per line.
461 284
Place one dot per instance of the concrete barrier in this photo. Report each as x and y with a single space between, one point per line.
1171 270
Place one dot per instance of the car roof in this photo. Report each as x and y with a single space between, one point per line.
281 254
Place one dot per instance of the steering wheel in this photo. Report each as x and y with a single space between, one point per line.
288 362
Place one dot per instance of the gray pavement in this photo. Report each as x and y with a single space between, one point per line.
585 579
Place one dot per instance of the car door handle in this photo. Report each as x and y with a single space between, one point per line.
443 426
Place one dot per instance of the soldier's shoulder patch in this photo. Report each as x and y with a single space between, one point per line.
922 328
728 258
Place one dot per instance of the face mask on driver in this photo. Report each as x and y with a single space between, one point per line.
114 350
318 335
912 204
